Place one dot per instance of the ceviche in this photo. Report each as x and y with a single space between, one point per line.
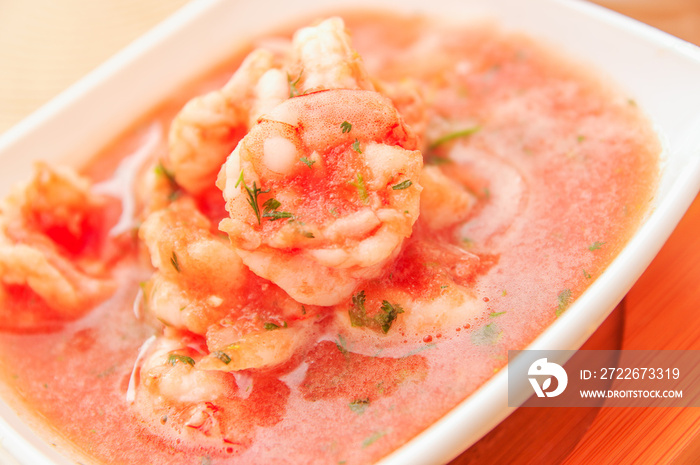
314 252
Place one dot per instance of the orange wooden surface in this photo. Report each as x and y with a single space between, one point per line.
662 311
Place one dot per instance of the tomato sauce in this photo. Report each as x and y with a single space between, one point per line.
563 168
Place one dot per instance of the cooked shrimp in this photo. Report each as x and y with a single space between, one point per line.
325 59
264 345
209 127
322 193
49 233
201 285
428 291
172 391
199 274
409 98
444 202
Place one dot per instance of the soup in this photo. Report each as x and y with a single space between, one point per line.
315 252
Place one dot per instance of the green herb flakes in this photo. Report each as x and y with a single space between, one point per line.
496 314
402 185
586 275
223 356
356 146
341 344
173 359
174 262
307 161
452 136
359 183
382 320
253 198
564 299
272 326
488 335
293 90
345 127
595 246
358 313
373 438
432 159
270 211
240 179
359 405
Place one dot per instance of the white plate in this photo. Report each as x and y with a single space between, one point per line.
660 72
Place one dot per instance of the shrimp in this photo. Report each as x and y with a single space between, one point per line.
325 59
173 392
263 345
209 127
50 232
322 192
444 201
202 286
199 274
428 292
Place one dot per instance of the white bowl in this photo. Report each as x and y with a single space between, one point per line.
659 71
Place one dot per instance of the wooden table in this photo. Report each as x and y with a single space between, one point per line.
662 311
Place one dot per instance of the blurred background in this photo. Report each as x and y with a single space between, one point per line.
46 45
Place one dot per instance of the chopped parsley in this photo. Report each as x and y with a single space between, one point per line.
293 91
453 135
432 159
170 177
586 275
372 439
272 326
402 185
381 320
359 405
334 212
253 197
270 210
173 359
240 179
162 171
358 313
496 314
174 262
390 312
346 127
341 344
564 299
356 146
488 335
361 188
307 162
596 245
275 215
223 356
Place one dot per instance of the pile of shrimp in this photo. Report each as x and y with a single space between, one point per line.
330 220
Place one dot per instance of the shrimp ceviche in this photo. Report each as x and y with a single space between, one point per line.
317 250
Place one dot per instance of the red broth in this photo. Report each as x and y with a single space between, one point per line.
564 170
